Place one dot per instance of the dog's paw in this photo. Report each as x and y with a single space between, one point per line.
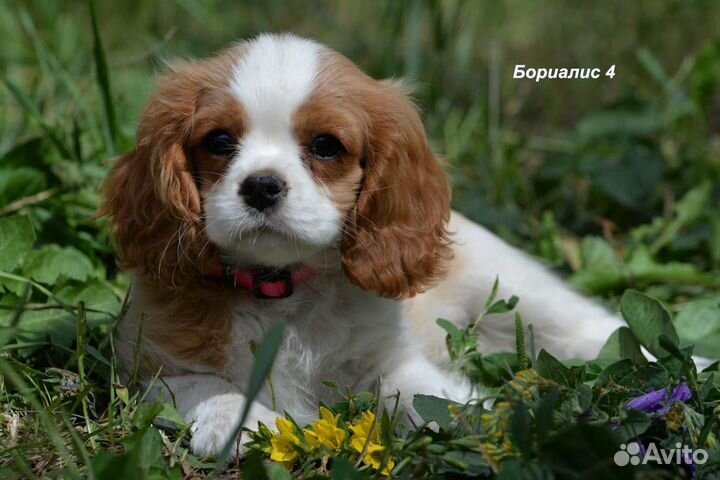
215 422
212 431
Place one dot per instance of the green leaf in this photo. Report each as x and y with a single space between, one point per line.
169 413
97 295
145 414
687 211
698 323
52 262
643 269
56 324
344 470
621 344
583 451
455 337
495 369
645 377
544 412
143 452
635 424
469 464
521 429
520 343
647 319
654 68
146 449
16 240
502 306
584 396
615 372
597 281
276 471
19 182
253 466
618 123
632 180
597 254
264 359
433 409
493 293
601 269
551 368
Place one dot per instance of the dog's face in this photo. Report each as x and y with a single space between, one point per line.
284 174
272 153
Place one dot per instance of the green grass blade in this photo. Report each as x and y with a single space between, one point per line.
264 360
520 343
103 78
49 425
37 116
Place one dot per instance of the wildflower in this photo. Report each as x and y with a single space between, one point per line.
325 432
283 445
496 424
675 417
528 383
658 401
374 458
375 450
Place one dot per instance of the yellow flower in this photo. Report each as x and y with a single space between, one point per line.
374 458
528 383
374 453
361 429
325 431
496 424
675 417
282 446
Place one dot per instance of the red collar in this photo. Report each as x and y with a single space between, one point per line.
265 282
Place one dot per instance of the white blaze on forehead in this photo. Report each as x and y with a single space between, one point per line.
274 76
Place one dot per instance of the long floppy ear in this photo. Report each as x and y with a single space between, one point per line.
151 196
396 241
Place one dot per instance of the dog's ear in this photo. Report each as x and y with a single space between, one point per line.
396 240
150 194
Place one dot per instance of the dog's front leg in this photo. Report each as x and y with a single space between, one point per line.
414 374
214 407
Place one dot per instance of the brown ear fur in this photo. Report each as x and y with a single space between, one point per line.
396 240
151 195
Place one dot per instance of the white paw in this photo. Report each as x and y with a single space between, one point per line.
212 431
215 422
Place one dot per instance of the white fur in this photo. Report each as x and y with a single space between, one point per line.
213 406
273 78
565 323
335 332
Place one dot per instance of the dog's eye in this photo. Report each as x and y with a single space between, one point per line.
220 143
326 147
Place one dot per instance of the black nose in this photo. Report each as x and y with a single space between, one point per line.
262 191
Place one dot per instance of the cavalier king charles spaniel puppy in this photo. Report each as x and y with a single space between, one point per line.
278 182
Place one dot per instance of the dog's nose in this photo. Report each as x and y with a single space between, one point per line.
262 191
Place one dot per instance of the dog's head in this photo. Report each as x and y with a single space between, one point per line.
275 152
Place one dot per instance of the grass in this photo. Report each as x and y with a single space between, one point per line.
613 183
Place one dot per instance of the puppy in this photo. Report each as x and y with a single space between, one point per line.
277 182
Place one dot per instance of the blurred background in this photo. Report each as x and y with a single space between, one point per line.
613 181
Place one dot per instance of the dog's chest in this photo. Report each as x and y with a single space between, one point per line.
340 342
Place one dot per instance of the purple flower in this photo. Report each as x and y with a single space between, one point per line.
658 401
681 393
